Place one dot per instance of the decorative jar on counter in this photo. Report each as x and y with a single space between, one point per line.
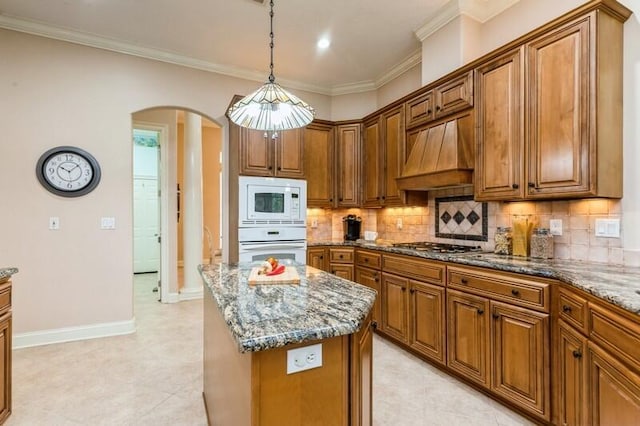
503 241
542 243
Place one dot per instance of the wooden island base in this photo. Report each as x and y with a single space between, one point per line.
254 388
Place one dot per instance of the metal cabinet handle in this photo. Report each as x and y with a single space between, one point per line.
464 281
496 316
515 186
374 324
366 260
341 256
404 289
270 168
279 168
515 292
413 290
321 257
480 311
438 108
577 354
566 308
429 111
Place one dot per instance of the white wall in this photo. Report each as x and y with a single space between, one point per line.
353 106
57 93
400 86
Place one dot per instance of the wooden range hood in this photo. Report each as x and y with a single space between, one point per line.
442 156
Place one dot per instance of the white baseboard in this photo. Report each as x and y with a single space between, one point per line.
70 334
172 298
191 294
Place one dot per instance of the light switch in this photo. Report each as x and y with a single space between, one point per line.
608 228
555 226
54 223
399 223
108 223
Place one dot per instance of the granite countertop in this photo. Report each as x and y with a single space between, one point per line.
267 316
7 272
617 284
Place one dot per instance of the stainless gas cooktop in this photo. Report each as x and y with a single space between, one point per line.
437 247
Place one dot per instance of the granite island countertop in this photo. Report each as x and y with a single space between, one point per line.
6 273
617 284
268 316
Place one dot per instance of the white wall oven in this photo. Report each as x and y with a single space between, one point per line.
273 219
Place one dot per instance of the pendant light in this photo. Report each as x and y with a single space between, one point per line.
271 108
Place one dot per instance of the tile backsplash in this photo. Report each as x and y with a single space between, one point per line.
402 224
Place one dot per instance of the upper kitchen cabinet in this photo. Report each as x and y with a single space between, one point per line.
570 74
348 164
319 164
278 154
451 96
384 157
499 86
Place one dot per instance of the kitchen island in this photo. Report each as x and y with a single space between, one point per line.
250 330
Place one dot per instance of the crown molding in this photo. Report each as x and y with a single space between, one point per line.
99 42
480 10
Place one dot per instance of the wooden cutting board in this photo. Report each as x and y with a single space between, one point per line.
289 276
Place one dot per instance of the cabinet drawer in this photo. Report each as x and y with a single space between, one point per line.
341 255
508 288
368 259
573 309
454 95
616 333
419 110
5 298
422 270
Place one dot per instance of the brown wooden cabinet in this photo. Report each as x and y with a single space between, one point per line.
319 164
427 320
348 165
394 306
362 376
384 157
573 144
499 109
271 153
341 262
597 361
367 272
5 349
317 257
498 334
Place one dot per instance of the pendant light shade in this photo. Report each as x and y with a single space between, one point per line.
271 107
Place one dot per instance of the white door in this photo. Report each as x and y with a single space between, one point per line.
146 225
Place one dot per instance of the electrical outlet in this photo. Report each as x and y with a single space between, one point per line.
608 228
314 223
555 226
399 223
305 358
108 223
54 223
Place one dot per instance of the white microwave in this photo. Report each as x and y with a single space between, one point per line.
272 201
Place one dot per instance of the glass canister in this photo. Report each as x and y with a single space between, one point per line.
542 243
522 226
503 241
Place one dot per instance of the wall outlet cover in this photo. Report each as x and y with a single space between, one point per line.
305 358
555 226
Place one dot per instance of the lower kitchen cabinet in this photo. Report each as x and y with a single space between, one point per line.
427 320
5 349
317 257
394 303
342 271
371 279
468 336
597 361
362 375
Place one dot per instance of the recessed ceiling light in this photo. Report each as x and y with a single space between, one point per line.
323 43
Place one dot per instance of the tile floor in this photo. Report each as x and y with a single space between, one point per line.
154 377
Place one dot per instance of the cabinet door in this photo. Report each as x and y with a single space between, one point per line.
319 165
419 110
362 376
614 390
349 165
519 346
394 306
454 95
393 154
256 151
499 88
371 168
5 366
290 154
468 336
426 320
342 271
371 279
571 376
558 76
316 257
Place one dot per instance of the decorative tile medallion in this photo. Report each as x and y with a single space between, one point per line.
461 218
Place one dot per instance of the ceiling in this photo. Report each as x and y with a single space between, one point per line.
370 39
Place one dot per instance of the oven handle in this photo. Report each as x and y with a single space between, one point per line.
271 246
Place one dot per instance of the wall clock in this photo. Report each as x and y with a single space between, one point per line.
68 171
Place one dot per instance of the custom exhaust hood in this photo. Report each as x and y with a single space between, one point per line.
440 156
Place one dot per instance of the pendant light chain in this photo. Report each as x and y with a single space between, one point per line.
271 77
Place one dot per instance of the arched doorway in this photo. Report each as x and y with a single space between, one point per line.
168 125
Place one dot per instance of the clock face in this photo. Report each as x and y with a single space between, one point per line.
68 171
